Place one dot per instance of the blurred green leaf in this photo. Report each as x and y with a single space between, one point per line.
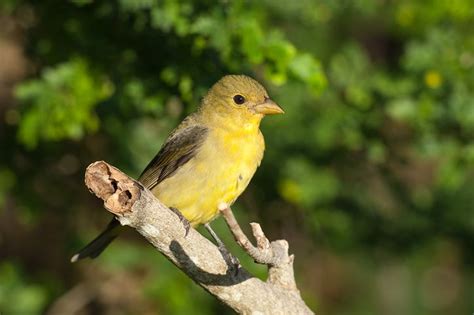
16 295
60 104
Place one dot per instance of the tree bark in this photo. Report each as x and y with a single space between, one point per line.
195 255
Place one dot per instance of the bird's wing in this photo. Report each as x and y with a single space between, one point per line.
181 146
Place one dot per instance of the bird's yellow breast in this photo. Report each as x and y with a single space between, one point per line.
219 173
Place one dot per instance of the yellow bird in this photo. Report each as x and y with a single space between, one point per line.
209 159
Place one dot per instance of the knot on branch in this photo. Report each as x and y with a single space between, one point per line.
118 191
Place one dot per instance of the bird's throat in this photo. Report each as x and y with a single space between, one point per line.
238 122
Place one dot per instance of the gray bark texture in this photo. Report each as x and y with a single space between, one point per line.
195 255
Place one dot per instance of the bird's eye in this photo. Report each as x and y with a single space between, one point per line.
239 99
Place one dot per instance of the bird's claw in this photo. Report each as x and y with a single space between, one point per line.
232 262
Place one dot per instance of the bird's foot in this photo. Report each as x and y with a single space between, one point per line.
232 262
184 221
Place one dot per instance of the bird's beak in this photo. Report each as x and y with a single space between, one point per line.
268 107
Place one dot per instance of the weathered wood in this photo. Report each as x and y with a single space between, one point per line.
195 255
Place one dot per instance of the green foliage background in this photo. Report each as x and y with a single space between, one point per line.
368 175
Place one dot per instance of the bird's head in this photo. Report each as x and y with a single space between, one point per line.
239 96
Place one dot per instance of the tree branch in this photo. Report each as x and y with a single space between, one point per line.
195 255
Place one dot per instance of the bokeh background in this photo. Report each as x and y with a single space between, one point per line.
368 175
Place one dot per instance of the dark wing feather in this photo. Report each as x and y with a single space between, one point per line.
180 147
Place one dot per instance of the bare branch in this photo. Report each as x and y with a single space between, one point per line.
274 254
263 253
195 255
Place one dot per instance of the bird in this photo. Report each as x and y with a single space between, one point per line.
208 160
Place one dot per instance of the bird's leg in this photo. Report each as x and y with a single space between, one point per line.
230 259
183 220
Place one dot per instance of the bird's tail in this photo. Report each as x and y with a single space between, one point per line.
94 248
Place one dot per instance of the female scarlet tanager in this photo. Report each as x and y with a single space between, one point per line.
209 159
